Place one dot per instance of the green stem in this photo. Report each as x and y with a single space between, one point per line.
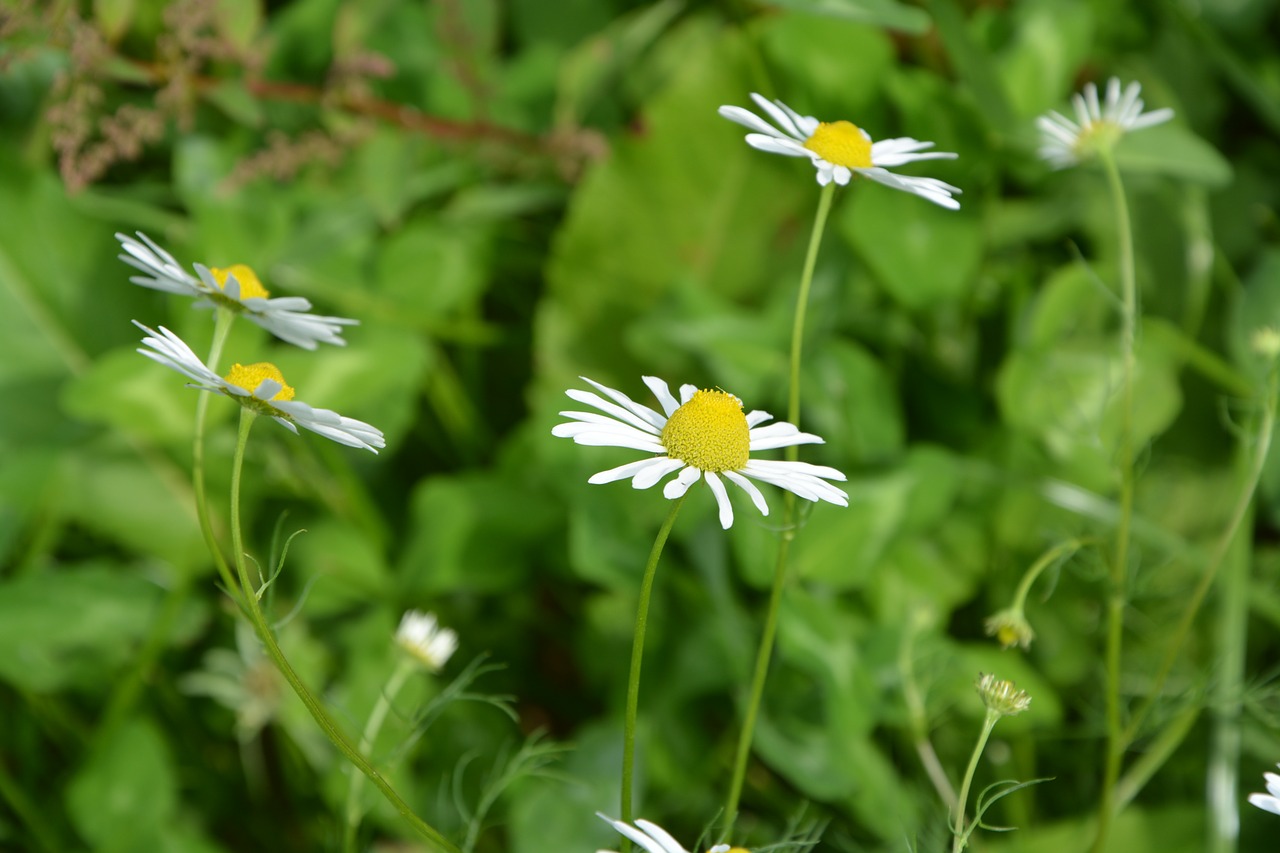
918 716
377 717
1221 548
637 658
263 628
221 329
960 834
1048 558
765 652
1124 463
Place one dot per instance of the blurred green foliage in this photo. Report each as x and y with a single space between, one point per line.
512 194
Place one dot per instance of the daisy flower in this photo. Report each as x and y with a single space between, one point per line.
1064 142
260 387
1269 801
235 288
704 436
655 839
841 149
421 636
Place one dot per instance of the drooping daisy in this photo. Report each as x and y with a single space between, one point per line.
420 635
841 149
704 436
260 387
1269 801
655 839
235 288
1064 142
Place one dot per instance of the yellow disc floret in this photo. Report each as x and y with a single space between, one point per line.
250 286
709 432
841 143
250 376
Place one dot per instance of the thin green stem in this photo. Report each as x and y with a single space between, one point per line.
960 833
1263 444
802 304
221 329
1048 558
404 668
765 652
637 658
263 628
1124 464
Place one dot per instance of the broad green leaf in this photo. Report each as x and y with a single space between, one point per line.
1171 150
879 13
122 797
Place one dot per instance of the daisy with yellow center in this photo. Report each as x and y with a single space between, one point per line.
655 839
235 288
704 435
1064 142
840 149
261 388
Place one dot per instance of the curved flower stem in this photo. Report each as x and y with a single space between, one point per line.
765 651
1124 463
1216 558
221 328
1048 558
377 716
960 835
263 628
637 658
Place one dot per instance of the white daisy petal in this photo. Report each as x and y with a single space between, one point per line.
704 436
1269 801
644 412
284 317
750 488
168 349
648 835
850 148
1097 125
677 487
722 499
630 470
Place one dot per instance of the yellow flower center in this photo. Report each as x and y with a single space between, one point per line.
250 286
709 432
250 376
841 143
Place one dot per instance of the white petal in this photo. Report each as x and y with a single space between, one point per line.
1265 802
781 434
662 391
781 115
625 415
757 417
750 488
608 439
649 415
658 468
722 498
786 147
748 119
622 472
681 483
687 392
660 835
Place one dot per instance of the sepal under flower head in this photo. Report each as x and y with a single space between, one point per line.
1270 801
1001 697
261 388
235 288
1097 126
704 435
420 635
840 149
1011 628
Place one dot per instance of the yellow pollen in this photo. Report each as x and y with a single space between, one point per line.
709 432
250 286
250 376
841 143
1007 635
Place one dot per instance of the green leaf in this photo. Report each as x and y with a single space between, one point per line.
1171 150
879 13
72 627
127 790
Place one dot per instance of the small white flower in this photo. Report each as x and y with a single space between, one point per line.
841 149
655 839
421 636
260 387
703 436
1002 697
1064 142
1269 801
236 288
